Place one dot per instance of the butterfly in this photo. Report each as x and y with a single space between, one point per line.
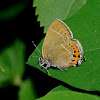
59 48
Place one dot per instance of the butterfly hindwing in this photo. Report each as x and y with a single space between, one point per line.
64 55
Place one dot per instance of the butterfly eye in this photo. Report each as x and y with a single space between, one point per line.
40 58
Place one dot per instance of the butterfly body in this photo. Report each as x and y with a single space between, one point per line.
59 48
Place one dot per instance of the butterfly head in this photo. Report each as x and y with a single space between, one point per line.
44 63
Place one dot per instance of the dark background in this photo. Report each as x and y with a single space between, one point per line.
25 27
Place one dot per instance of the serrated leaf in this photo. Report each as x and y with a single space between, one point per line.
69 95
48 10
85 27
12 62
26 91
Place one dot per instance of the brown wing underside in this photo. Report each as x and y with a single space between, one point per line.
57 33
59 46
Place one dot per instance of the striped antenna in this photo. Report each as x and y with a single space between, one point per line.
36 47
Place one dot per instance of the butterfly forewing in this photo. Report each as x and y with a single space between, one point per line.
57 33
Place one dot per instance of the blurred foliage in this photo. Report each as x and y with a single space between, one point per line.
13 10
27 91
12 62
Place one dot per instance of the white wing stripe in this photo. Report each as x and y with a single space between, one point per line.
65 48
57 33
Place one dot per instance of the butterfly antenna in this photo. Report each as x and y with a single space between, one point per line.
36 47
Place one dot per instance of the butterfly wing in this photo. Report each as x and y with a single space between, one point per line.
57 33
66 54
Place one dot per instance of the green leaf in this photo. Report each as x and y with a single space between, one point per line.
26 91
12 11
48 10
67 95
12 63
59 88
85 26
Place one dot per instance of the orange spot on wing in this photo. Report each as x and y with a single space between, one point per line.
76 58
72 64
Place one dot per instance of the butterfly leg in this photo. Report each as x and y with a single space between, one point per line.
46 68
42 64
47 71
